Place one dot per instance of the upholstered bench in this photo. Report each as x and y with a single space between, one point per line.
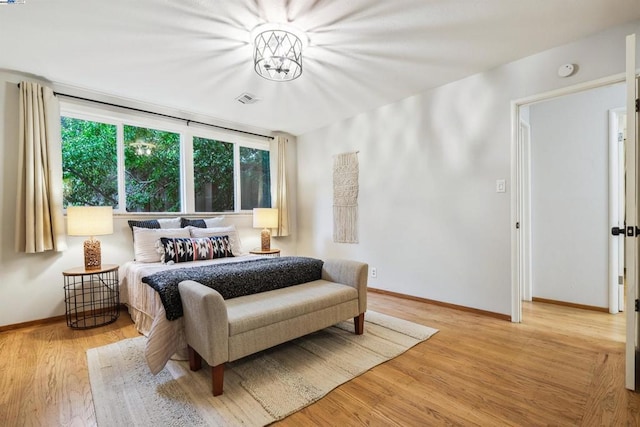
221 331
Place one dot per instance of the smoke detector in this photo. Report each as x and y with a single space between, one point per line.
566 70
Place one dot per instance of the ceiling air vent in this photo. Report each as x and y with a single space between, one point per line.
247 98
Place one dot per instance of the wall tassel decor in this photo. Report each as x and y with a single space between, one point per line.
345 198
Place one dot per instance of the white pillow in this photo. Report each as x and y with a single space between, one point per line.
169 222
234 238
214 222
144 241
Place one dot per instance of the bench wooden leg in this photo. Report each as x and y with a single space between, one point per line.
217 378
358 322
195 360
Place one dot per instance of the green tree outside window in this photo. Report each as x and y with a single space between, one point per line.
90 168
152 175
152 171
213 175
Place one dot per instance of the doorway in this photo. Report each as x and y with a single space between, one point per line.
562 156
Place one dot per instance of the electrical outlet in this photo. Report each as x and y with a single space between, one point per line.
374 272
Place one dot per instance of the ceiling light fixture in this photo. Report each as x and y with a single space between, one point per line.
278 51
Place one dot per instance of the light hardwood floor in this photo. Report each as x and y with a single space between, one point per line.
562 366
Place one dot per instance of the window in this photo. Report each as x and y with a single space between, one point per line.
254 178
137 164
152 170
213 175
90 167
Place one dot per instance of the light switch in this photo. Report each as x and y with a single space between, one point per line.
501 186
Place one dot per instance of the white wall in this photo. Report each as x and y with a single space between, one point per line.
430 219
31 285
570 195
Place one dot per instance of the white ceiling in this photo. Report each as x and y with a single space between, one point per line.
195 55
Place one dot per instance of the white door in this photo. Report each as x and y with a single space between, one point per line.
632 249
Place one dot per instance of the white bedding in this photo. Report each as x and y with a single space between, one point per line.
165 338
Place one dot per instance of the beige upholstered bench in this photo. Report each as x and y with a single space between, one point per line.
220 331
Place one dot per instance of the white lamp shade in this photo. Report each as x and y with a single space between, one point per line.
89 220
265 218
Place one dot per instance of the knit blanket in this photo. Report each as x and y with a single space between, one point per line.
235 279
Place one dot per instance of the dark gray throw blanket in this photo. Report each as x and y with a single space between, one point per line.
235 279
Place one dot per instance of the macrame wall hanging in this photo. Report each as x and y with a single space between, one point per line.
345 198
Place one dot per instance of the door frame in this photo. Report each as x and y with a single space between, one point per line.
519 239
616 210
525 200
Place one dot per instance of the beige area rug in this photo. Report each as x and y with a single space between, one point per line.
258 389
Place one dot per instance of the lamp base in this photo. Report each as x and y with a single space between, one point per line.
92 255
266 239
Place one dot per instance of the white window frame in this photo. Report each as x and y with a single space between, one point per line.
121 117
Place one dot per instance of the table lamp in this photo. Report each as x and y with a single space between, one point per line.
90 221
265 218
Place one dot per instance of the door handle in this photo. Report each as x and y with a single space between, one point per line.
618 231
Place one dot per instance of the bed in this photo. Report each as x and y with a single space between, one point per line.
165 337
178 249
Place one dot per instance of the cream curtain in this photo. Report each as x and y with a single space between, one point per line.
39 222
279 195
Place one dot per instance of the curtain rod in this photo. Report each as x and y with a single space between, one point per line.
160 114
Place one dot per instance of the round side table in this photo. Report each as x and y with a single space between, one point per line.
91 297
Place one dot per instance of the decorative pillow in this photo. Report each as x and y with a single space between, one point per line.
144 241
202 223
156 223
195 248
234 238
